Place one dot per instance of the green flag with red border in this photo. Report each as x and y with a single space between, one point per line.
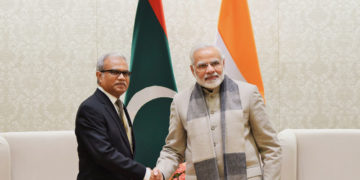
152 83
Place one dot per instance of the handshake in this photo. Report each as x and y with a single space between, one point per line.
156 174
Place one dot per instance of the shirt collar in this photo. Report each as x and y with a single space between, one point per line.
112 98
209 92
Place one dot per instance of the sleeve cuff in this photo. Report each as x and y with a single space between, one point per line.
147 174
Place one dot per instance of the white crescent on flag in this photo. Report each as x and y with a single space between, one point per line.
145 95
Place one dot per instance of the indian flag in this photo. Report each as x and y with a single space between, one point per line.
235 38
152 82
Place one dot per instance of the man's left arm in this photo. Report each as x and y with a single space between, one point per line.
265 137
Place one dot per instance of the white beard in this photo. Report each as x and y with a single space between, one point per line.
210 84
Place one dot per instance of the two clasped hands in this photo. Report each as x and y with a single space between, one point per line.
156 174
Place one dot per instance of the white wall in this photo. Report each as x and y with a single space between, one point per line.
308 50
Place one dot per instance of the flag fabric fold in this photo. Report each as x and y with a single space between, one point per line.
235 38
152 83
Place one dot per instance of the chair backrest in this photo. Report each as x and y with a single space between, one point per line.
4 159
48 155
320 154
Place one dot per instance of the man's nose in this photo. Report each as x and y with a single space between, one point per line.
121 76
210 68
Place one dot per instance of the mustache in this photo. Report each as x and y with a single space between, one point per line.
211 75
121 83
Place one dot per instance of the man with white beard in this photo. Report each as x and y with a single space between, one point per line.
219 127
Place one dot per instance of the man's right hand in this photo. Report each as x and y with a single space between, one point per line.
156 175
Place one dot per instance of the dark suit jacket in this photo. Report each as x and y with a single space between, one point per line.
103 147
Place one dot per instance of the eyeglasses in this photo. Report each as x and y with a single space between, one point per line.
201 67
117 73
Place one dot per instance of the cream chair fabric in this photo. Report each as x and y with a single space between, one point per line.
320 154
308 154
287 140
42 155
4 159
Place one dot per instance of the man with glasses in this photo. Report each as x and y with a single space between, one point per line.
219 127
106 143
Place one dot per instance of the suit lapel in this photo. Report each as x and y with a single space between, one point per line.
132 130
113 115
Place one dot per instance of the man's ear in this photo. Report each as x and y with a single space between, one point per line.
98 76
192 70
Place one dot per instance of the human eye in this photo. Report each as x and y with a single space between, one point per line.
114 72
201 66
215 63
126 73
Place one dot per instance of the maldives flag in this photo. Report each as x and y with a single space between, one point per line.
235 38
152 82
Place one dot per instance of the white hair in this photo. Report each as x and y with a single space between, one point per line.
203 46
100 62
